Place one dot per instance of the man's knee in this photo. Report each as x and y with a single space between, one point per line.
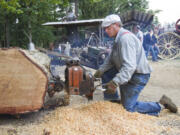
129 108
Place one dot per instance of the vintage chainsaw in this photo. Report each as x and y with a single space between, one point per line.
78 81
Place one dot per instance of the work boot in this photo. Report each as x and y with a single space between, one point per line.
115 101
168 104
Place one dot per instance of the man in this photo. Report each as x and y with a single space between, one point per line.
139 34
127 68
151 41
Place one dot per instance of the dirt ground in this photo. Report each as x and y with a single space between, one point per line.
165 79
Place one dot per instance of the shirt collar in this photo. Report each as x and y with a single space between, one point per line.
121 30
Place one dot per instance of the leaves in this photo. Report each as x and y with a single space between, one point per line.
100 8
10 6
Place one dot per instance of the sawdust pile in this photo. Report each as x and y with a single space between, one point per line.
96 118
99 118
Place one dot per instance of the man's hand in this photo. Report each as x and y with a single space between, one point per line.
110 87
98 74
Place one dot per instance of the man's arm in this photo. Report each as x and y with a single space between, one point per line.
128 54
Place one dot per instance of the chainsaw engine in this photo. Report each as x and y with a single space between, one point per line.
78 81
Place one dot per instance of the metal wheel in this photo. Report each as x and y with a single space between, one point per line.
178 26
169 45
101 58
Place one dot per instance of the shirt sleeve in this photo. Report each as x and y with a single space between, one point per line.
127 52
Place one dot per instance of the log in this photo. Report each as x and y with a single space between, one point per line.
23 83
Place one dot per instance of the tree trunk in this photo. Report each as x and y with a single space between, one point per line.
7 35
30 32
31 46
76 8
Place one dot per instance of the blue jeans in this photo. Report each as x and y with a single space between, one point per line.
106 77
150 49
156 50
130 93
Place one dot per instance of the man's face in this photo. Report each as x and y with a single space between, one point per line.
111 30
135 30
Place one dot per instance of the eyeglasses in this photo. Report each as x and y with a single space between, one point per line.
109 27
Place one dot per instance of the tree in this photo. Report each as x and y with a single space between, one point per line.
36 13
8 8
31 14
100 8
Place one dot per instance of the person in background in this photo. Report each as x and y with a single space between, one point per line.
156 48
59 48
51 46
139 34
151 41
67 49
128 69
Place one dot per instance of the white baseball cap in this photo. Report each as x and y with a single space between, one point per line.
110 19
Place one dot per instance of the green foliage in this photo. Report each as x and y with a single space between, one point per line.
88 9
125 5
10 6
100 8
46 35
31 15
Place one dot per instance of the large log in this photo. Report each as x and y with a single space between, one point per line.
23 83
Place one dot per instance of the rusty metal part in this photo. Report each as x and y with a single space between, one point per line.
87 85
78 81
178 26
73 77
72 62
55 84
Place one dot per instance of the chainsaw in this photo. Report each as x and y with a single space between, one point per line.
78 81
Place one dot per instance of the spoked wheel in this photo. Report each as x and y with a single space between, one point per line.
169 45
178 26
